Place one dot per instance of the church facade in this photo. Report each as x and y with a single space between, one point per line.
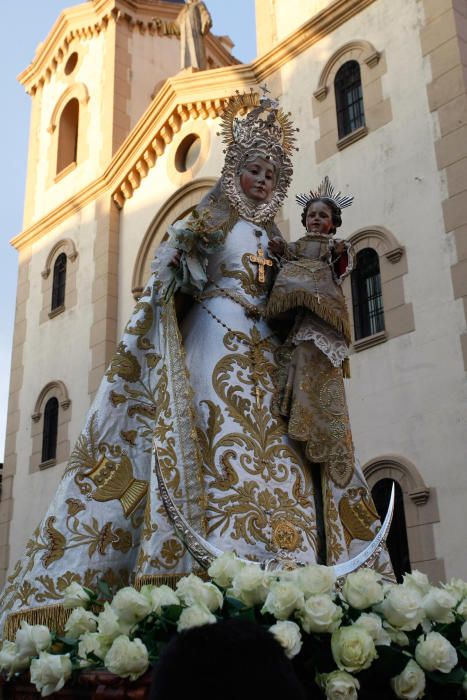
122 144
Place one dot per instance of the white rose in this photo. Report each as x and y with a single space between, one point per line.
438 604
362 589
10 660
109 624
127 659
372 623
94 643
403 608
50 672
80 622
457 587
191 589
464 632
224 568
418 581
283 598
288 635
352 648
195 616
397 636
31 639
75 596
159 596
130 606
436 653
339 685
462 609
316 579
249 585
410 684
320 614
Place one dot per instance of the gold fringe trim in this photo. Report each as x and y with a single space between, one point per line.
279 304
346 368
170 580
53 616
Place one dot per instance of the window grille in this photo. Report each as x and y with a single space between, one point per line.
50 430
367 298
59 282
349 98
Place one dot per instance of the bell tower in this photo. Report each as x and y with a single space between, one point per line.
90 81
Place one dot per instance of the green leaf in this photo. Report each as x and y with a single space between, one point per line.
171 613
104 589
234 604
391 661
456 676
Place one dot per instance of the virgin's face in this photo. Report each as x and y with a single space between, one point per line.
258 180
319 218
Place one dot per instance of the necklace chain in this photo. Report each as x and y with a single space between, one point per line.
253 346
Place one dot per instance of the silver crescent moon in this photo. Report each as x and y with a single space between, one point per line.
205 553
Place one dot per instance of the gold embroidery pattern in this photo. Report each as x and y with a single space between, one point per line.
310 391
245 469
358 515
285 535
247 277
335 549
309 283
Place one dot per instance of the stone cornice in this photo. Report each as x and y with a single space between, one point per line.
178 99
315 29
89 19
185 93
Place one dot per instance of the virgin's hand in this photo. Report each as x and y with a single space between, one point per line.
175 260
276 245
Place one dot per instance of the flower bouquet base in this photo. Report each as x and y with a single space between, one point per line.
88 685
361 638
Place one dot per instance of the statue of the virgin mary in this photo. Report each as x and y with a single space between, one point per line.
190 390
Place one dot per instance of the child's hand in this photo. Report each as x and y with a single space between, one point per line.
276 246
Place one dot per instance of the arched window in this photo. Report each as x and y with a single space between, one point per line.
349 98
367 299
50 430
59 282
397 542
68 135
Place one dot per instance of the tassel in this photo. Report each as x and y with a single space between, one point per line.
170 580
52 616
279 304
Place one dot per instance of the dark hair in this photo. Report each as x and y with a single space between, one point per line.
335 210
232 659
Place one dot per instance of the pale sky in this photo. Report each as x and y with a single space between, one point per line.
27 24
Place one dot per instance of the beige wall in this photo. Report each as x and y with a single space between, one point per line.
275 20
54 350
407 395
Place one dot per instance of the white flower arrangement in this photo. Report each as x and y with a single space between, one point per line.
410 638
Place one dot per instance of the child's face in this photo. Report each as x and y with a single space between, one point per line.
319 218
258 180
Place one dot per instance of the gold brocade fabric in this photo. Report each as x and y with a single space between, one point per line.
308 282
204 390
313 399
